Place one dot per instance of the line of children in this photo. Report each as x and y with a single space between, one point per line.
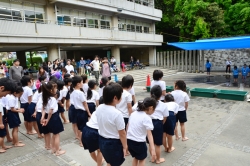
61 100
157 76
92 96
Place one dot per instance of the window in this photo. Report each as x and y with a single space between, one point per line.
64 20
30 16
146 30
92 23
5 14
139 29
80 22
16 15
130 28
105 24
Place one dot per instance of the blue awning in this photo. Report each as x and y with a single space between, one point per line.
215 44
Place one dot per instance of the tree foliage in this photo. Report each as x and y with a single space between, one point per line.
197 19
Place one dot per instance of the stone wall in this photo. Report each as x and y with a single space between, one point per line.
218 58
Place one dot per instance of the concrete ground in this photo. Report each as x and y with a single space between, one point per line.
218 130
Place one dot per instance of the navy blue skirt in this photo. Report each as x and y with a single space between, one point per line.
55 125
5 120
38 121
157 132
45 129
170 124
26 112
126 122
137 150
90 139
61 109
81 119
112 151
92 107
31 110
3 131
13 119
181 116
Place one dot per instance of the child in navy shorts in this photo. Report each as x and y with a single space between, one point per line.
63 93
158 118
13 114
81 111
181 98
4 102
169 125
68 81
25 100
112 140
92 96
50 116
140 126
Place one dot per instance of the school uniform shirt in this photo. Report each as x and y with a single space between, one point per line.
36 96
4 101
85 88
94 98
92 123
52 104
161 111
63 93
1 109
123 105
27 92
139 123
101 91
12 102
39 105
180 98
132 91
78 97
110 121
162 84
172 106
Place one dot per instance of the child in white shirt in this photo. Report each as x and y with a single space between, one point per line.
140 126
157 76
181 98
92 96
103 83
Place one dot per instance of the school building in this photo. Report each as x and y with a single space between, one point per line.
75 28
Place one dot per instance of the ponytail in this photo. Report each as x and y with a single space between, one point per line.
91 85
104 82
89 94
47 91
156 92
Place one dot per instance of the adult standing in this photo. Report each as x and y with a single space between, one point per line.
69 67
132 62
105 68
228 64
5 68
16 71
82 66
62 63
73 63
95 64
56 65
50 67
41 72
45 67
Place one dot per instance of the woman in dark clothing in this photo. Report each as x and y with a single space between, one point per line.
45 67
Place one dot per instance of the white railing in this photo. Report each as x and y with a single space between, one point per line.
24 29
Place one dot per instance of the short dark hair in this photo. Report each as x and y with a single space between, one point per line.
52 77
169 97
25 80
42 78
72 71
16 60
127 81
157 75
76 80
101 100
146 103
67 80
156 92
66 75
110 91
180 84
18 89
60 84
9 85
4 63
84 78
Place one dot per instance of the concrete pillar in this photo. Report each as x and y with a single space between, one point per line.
186 61
179 60
114 23
171 59
158 59
182 60
161 60
53 52
152 28
50 14
198 61
168 60
175 59
194 61
115 51
190 61
152 56
202 61
22 57
164 59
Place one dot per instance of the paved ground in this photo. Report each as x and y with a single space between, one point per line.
218 130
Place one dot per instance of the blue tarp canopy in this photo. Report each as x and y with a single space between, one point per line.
215 44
